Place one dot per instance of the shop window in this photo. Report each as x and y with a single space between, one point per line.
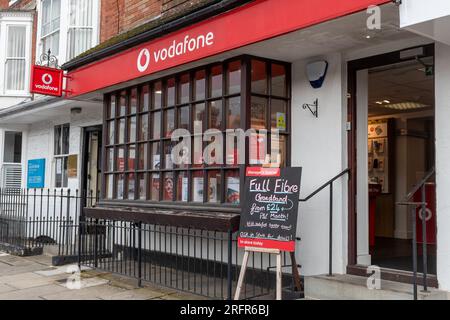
242 93
61 154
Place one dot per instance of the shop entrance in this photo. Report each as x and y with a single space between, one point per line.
91 180
395 148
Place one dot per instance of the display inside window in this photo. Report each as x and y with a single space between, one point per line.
241 93
378 154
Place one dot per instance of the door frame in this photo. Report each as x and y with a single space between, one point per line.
85 159
352 68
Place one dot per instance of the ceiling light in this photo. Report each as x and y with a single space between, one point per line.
405 106
158 91
368 37
386 101
378 102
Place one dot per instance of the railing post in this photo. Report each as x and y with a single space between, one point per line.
424 239
80 238
139 225
95 243
230 264
330 249
414 247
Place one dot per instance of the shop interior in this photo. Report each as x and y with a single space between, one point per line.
400 153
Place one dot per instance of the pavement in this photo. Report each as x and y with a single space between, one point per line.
34 278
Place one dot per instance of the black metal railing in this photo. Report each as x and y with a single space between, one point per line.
329 184
202 262
422 204
31 219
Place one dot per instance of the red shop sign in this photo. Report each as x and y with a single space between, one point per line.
257 21
47 81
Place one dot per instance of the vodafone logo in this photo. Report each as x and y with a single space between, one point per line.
143 54
179 47
47 78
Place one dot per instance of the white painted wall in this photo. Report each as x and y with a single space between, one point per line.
318 145
442 80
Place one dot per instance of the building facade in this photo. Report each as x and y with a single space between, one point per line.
357 90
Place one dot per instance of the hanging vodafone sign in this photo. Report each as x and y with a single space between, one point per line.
47 81
256 21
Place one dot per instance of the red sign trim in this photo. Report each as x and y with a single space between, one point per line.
251 23
46 80
288 246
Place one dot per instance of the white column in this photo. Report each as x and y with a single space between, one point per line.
442 80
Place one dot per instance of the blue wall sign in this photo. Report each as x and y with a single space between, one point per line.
36 173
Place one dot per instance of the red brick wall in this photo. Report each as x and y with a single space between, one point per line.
118 16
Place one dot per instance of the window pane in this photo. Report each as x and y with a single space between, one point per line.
232 190
120 159
234 113
199 117
258 113
123 103
200 85
258 148
15 74
278 80
78 41
154 187
234 77
216 82
168 186
278 150
168 163
120 185
197 186
259 77
121 130
169 122
61 178
112 107
13 147
182 186
131 186
143 127
58 139
133 101
110 136
109 181
183 118
131 129
156 155
184 89
214 186
144 99
65 139
131 157
170 94
156 116
109 159
157 95
278 114
215 115
142 163
141 181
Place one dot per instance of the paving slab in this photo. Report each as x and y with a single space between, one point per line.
24 280
34 293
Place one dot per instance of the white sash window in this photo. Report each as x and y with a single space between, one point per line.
15 63
50 25
81 27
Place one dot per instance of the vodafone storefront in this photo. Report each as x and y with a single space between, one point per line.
241 69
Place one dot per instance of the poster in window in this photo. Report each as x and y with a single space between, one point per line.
197 188
258 149
378 130
233 190
281 121
72 166
168 187
212 190
184 189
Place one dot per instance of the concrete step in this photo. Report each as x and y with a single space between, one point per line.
349 287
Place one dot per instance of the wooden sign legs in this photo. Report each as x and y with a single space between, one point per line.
244 267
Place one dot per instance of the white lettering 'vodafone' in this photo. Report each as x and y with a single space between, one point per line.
185 46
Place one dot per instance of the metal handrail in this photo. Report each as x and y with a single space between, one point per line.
415 204
330 235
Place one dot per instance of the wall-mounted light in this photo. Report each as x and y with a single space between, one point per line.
75 110
316 73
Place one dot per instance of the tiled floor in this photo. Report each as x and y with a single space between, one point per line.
33 278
